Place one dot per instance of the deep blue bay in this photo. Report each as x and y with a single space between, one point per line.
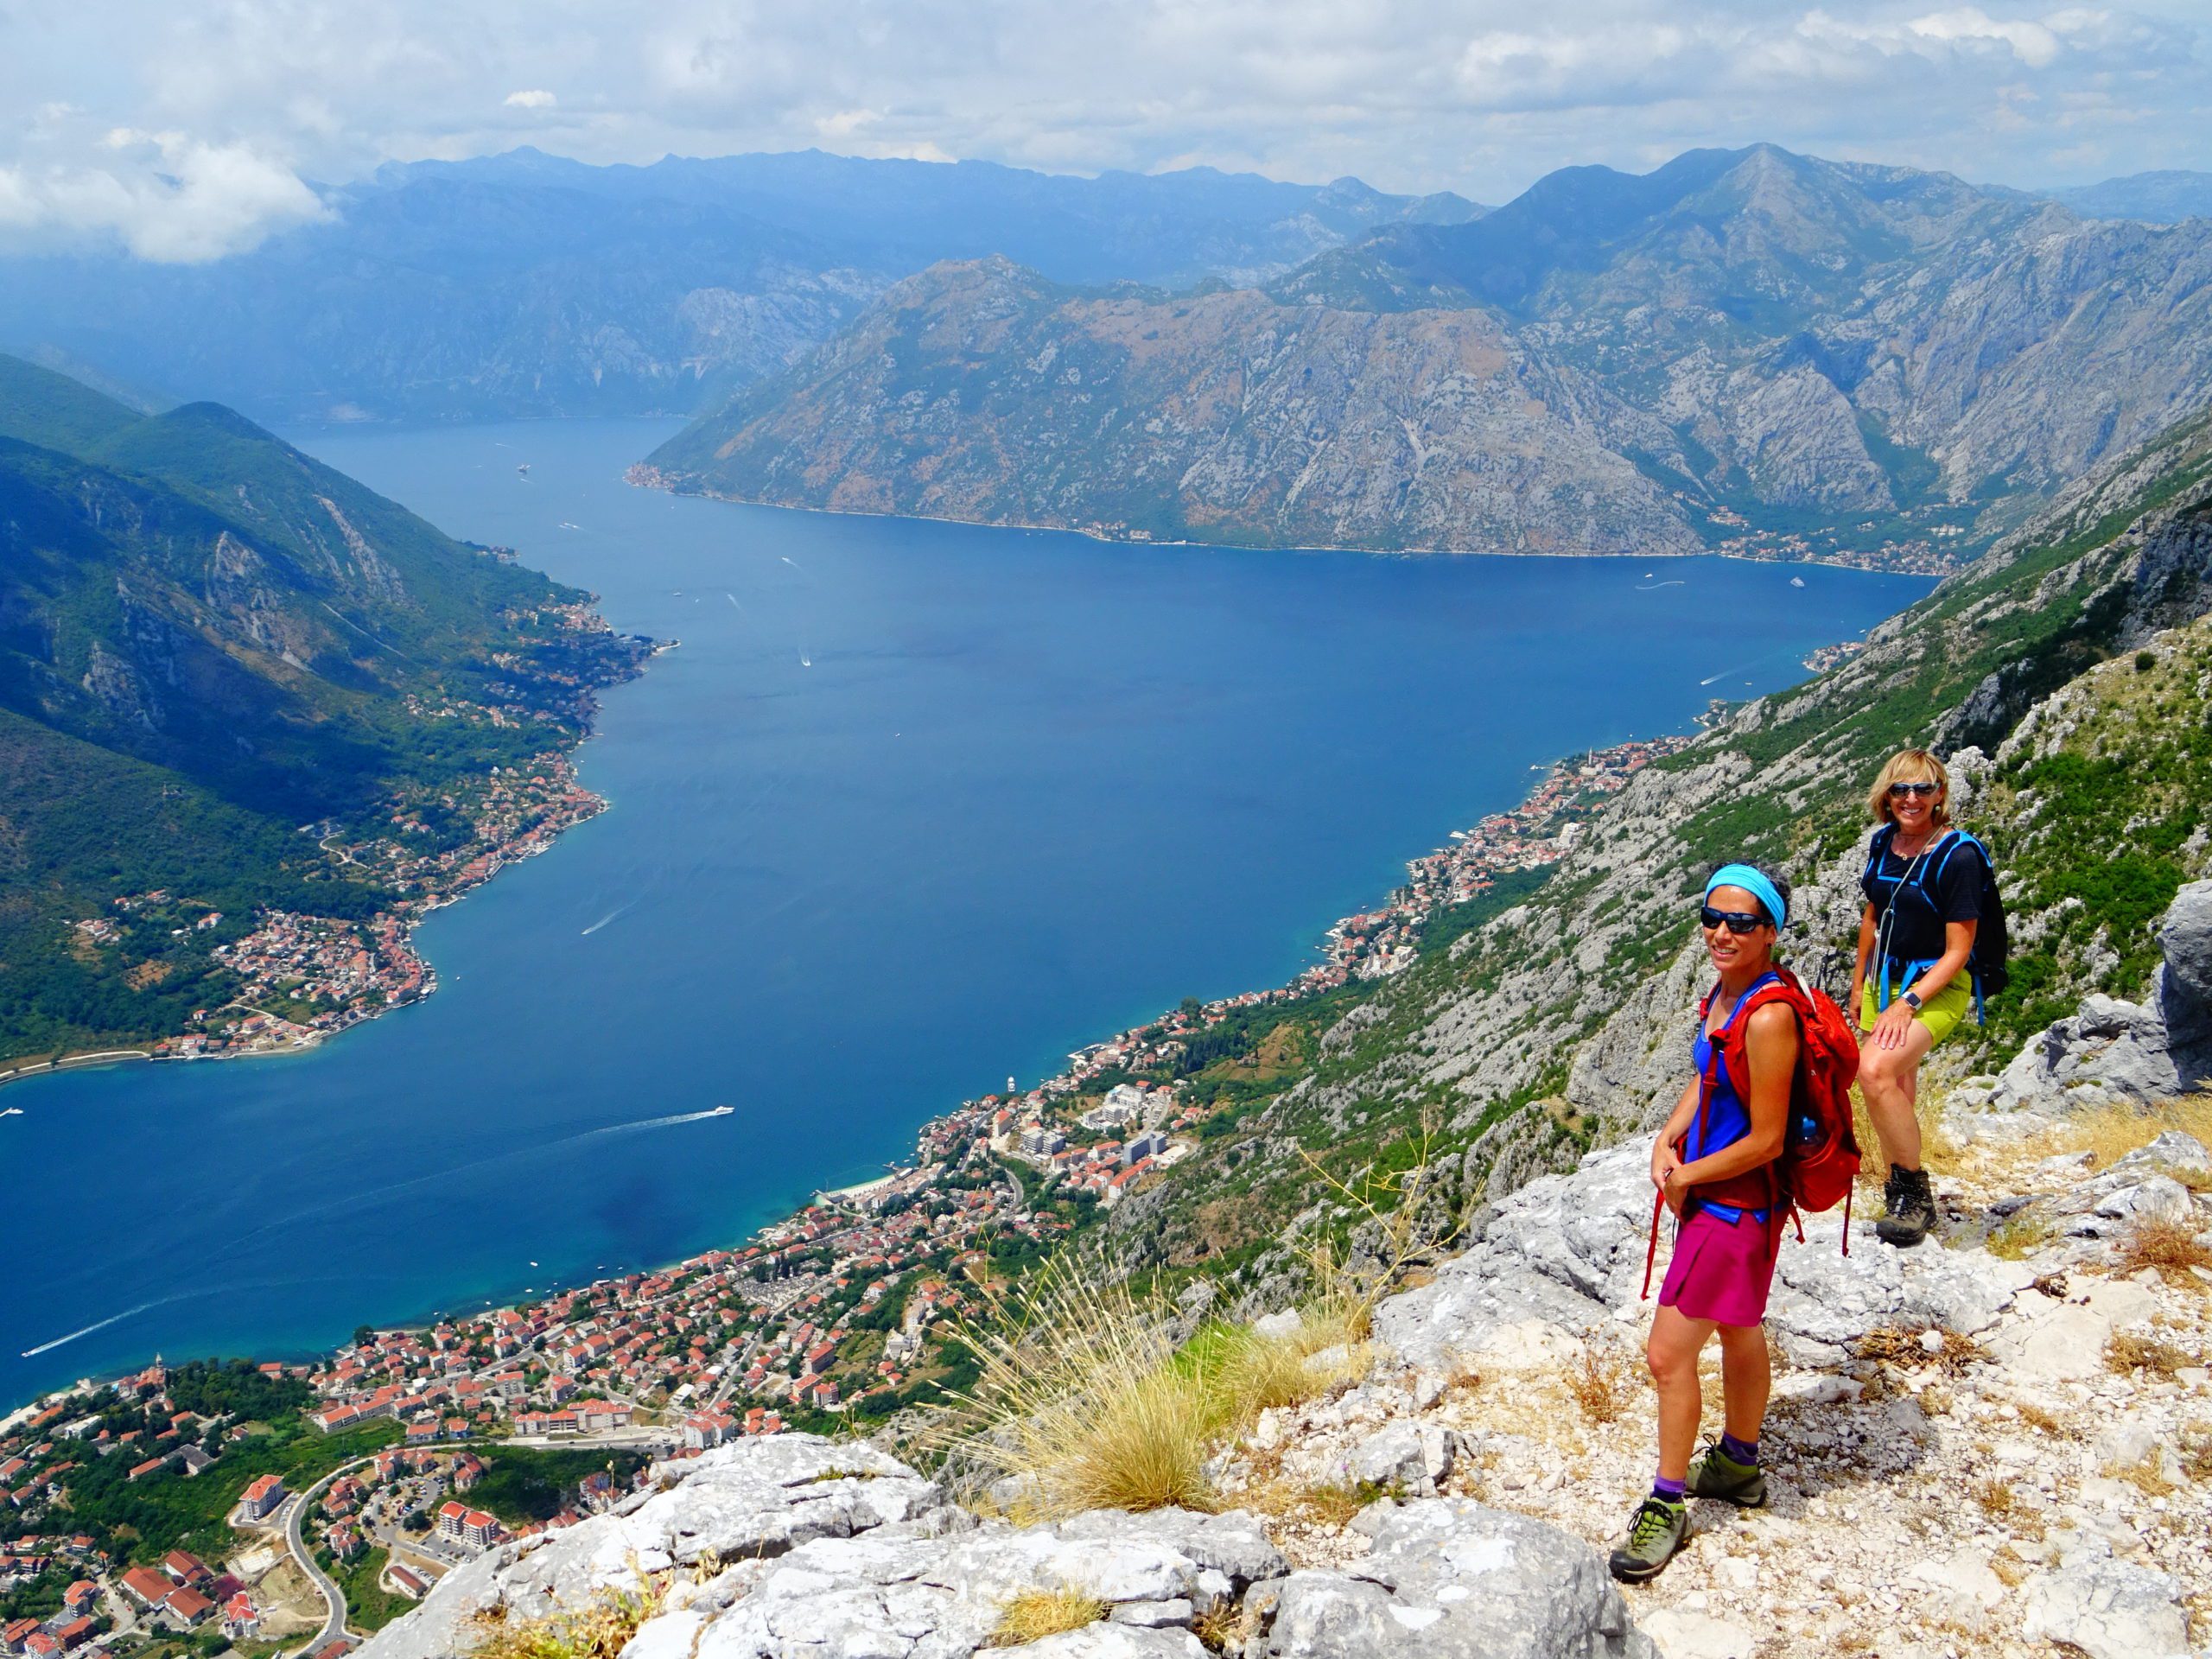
915 805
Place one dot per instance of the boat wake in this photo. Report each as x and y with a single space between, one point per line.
1652 587
97 1324
609 917
668 1122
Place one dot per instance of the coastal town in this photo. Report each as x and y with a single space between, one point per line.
847 1312
300 978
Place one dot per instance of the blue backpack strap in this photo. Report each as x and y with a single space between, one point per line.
1876 847
1925 883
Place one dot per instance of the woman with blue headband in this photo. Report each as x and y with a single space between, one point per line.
1714 1163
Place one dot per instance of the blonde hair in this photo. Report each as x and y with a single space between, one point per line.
1911 766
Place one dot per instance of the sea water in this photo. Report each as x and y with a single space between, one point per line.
915 806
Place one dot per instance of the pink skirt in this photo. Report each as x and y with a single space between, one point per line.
1721 1270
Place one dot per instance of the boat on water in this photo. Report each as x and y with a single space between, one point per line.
523 469
721 1111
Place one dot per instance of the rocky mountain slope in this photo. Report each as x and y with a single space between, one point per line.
980 392
1742 347
524 284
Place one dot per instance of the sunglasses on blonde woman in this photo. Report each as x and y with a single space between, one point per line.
1898 792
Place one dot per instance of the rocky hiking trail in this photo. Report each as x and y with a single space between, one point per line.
1971 1452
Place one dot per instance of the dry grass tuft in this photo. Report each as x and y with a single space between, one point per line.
2012 1571
2146 1475
2169 1248
1601 1385
1084 1394
2196 1453
599 1629
2040 1420
1330 1505
1081 1390
1995 1497
1035 1614
1224 1629
2110 1133
2125 1351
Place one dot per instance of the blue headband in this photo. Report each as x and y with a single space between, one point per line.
1744 876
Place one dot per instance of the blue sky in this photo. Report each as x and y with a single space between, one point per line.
187 131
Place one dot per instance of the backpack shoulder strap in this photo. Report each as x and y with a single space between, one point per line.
1952 839
1732 1042
1878 845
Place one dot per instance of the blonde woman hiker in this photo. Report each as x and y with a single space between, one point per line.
1929 895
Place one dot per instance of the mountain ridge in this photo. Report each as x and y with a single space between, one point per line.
526 285
1748 350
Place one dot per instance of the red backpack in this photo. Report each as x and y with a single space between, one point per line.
1820 1152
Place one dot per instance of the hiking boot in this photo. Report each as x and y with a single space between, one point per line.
1713 1473
1910 1204
1656 1533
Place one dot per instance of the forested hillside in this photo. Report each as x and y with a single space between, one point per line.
214 651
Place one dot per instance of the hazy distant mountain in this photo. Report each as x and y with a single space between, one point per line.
1608 363
526 285
2164 198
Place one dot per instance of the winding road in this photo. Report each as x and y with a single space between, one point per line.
295 1511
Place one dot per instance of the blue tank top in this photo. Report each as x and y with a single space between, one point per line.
1727 1119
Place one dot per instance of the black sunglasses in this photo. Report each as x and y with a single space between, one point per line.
1736 921
1915 788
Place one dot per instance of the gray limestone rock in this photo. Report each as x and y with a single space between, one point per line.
1450 1578
2111 1052
1569 1249
2108 1609
758 1498
1113 1641
1403 1457
906 1598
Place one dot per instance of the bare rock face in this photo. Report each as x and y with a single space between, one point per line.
1568 1251
751 1501
1452 1578
2109 1610
2115 1052
793 1548
979 391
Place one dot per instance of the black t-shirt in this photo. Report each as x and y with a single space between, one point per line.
1946 887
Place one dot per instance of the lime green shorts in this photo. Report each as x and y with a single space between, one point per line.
1944 1011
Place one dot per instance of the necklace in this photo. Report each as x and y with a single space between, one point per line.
1917 849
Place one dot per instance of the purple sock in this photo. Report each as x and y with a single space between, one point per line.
1744 1452
1669 1491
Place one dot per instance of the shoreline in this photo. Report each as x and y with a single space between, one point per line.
1364 945
644 476
392 929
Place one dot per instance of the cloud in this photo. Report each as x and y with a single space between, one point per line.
164 197
1481 96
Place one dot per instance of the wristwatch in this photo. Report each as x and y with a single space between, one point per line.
1912 1000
